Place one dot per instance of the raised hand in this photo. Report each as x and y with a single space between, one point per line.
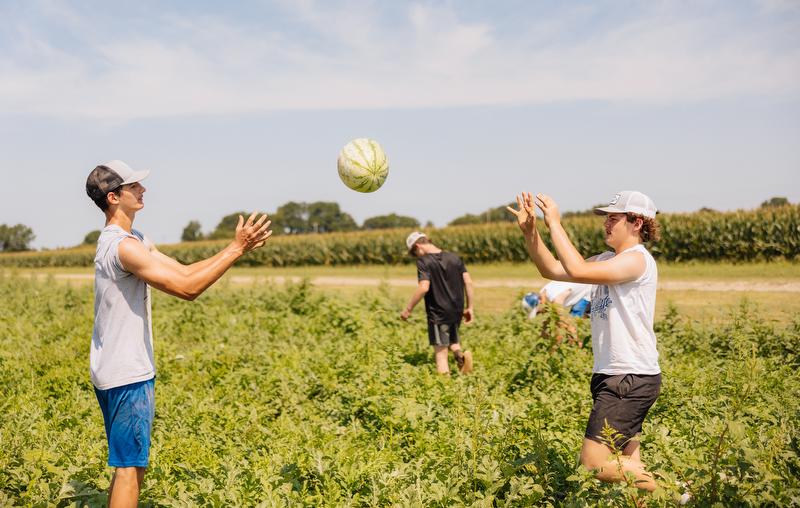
526 219
252 234
549 209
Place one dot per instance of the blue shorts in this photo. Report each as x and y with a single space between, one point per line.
580 309
128 415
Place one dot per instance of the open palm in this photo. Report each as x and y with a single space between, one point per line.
526 219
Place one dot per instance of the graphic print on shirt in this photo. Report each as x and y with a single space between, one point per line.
600 302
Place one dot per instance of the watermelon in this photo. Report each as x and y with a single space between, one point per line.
363 165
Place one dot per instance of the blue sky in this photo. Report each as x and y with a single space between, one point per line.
245 105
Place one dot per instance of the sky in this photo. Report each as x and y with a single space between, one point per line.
245 105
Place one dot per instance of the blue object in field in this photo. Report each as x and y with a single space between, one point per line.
580 308
530 301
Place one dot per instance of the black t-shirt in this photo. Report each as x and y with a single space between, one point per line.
444 301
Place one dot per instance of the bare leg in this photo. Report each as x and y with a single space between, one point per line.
125 486
440 355
455 347
632 450
609 469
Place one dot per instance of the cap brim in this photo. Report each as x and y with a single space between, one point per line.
137 176
607 210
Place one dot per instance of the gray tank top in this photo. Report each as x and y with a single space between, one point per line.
122 339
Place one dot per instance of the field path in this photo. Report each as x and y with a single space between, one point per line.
668 285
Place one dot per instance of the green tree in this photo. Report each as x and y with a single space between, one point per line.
91 237
497 214
15 238
192 232
775 202
290 218
390 221
465 220
327 217
227 226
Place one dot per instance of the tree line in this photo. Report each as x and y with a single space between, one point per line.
317 217
299 217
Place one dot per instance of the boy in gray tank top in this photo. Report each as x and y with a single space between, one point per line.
121 359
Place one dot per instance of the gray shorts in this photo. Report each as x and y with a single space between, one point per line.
442 334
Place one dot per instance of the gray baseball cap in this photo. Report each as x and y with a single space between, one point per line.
108 176
629 202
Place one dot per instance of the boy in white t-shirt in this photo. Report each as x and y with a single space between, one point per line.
626 378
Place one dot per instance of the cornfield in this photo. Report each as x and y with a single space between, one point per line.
763 234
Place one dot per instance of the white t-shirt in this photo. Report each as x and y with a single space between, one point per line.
122 338
578 291
623 339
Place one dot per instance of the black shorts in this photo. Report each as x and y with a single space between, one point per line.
442 334
623 401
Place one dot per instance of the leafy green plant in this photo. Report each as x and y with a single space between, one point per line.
294 397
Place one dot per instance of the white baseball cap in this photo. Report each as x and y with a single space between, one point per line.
414 238
126 172
630 202
109 176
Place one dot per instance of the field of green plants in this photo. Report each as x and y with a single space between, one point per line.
763 234
292 397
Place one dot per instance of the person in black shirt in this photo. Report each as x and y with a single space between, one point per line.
443 281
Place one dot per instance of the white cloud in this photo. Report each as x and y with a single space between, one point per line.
430 57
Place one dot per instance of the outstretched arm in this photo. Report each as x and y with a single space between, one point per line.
623 268
422 288
188 282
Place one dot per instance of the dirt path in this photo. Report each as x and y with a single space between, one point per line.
668 285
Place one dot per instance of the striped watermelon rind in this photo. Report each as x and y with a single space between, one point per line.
363 165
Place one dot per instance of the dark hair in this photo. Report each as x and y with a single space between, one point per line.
651 230
422 240
102 201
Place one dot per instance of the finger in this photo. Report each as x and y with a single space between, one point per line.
520 200
266 235
528 203
515 212
239 225
250 219
261 220
262 227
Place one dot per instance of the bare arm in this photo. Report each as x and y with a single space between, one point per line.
422 287
185 269
622 268
188 282
549 267
469 291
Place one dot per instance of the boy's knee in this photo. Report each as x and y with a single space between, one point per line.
591 462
